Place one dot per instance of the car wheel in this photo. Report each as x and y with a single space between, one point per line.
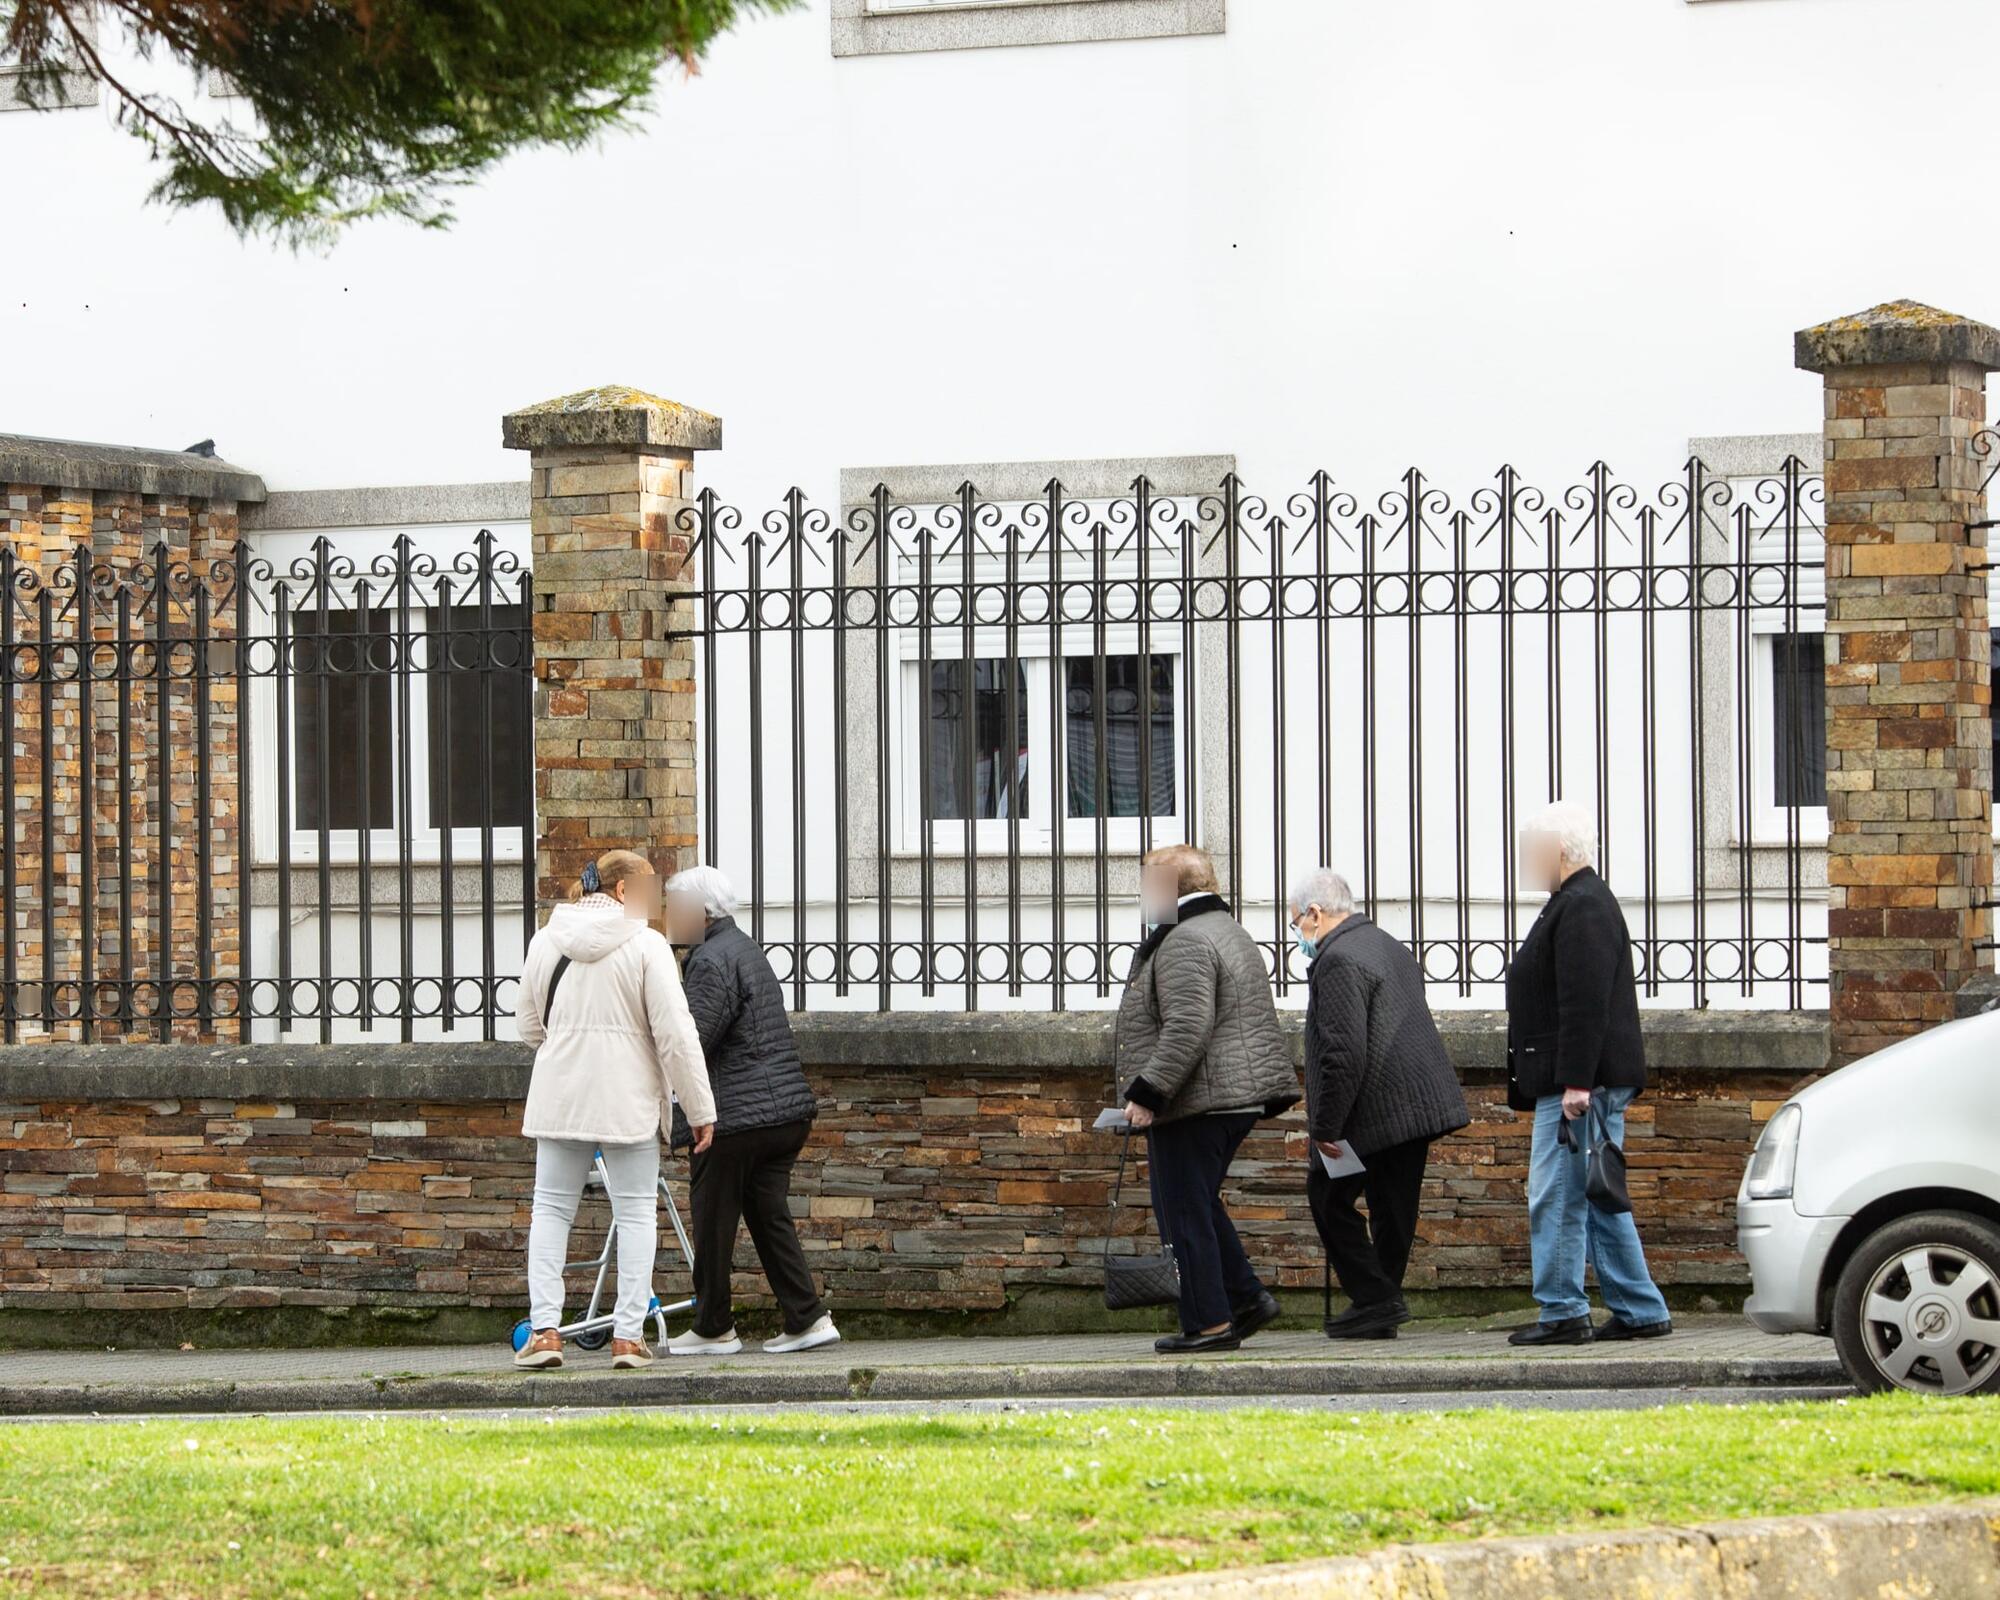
1918 1306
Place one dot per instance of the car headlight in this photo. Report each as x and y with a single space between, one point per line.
1776 1159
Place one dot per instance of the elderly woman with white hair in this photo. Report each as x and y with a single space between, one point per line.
1573 1036
1378 1086
763 1111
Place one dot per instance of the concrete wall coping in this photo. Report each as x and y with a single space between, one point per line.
1842 1555
392 506
1701 1042
127 469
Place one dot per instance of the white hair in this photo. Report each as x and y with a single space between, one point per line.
718 896
1572 826
1325 888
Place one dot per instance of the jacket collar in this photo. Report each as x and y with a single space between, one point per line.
1198 905
718 925
1354 919
1575 879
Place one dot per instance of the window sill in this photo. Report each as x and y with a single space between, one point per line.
72 91
997 24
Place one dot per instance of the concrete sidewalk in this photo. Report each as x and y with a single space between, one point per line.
1704 1352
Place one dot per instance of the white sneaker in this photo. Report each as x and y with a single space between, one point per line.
821 1332
693 1344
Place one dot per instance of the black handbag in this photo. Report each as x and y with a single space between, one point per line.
1603 1159
1134 1281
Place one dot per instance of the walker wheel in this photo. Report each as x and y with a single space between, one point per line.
521 1335
596 1339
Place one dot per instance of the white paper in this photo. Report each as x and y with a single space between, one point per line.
1340 1166
1112 1118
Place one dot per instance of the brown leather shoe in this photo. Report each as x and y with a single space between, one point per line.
543 1350
629 1353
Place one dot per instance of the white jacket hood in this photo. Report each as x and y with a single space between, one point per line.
590 933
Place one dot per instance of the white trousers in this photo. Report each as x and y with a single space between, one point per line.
561 1166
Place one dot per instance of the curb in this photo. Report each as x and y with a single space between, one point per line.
1948 1552
716 1384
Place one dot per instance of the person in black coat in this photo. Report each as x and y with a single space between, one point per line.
1378 1086
1573 1035
763 1111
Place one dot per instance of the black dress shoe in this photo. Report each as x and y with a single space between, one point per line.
1192 1344
1571 1330
1261 1313
1618 1328
1377 1321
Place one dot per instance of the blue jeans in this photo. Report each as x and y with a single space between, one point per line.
1565 1229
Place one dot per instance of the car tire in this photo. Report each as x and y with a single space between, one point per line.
1917 1306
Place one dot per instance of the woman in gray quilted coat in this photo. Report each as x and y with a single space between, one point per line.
763 1111
1200 1060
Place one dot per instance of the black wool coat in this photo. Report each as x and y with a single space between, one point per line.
739 1011
1376 1070
1572 999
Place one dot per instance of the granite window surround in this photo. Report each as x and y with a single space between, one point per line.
1204 681
1741 460
71 89
882 27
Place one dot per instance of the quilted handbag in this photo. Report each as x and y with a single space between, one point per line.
1134 1281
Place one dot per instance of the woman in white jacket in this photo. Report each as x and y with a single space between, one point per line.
601 1001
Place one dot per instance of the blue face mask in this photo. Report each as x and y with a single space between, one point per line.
1307 947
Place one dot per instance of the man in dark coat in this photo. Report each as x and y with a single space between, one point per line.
1380 1087
763 1111
1573 1036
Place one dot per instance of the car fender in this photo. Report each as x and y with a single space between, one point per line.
1923 1114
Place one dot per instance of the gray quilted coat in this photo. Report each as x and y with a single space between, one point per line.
1376 1070
739 1011
1197 1031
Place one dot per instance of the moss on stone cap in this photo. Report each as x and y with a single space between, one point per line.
610 414
1898 331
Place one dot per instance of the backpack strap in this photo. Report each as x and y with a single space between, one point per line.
555 983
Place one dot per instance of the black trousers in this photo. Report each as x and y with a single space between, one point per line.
1187 1161
747 1177
1370 1256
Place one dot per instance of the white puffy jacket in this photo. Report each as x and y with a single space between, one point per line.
618 1040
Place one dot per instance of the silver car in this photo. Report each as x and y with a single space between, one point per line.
1871 1210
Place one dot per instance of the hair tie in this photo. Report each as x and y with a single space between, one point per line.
592 882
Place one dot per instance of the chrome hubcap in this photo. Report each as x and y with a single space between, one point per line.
1931 1320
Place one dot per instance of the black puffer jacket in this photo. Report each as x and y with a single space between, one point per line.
1572 1000
739 1011
1376 1071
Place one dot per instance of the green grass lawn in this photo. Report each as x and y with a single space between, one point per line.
667 1503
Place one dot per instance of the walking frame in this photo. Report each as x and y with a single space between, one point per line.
592 1331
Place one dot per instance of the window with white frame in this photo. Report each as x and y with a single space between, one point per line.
1785 673
407 717
1090 718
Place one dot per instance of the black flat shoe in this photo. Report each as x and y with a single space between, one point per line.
1368 1322
1618 1328
1262 1313
1193 1344
1571 1330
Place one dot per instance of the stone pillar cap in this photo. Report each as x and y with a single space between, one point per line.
611 414
1896 332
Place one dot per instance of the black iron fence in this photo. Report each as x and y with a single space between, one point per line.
236 793
935 738
246 797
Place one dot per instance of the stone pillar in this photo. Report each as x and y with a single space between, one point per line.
1909 735
610 477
